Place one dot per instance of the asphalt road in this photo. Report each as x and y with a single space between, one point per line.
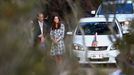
98 69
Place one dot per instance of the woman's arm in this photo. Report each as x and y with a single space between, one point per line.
52 36
62 32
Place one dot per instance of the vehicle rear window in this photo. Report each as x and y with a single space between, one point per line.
102 28
125 8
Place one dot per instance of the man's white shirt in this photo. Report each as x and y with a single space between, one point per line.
41 26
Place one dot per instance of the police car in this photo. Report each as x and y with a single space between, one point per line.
93 40
123 10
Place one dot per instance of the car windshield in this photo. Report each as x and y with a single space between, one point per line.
102 28
125 8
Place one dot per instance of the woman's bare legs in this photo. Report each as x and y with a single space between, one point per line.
59 59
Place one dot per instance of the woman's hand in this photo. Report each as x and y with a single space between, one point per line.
55 41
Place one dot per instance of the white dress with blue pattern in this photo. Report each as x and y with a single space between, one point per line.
59 48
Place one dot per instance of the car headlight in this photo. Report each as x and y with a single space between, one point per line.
78 47
114 47
125 23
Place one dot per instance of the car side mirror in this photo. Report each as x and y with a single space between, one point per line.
70 33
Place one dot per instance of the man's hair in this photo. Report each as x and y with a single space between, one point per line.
39 14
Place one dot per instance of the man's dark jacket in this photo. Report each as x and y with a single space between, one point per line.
37 30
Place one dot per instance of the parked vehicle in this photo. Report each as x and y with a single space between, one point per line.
123 10
97 43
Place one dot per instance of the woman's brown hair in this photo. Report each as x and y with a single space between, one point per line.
54 24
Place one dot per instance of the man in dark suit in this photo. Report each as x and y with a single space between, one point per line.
39 30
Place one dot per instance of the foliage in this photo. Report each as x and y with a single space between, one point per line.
17 57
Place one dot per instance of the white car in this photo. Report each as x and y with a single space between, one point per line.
97 43
123 10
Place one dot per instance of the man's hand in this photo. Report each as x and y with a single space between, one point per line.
42 39
41 35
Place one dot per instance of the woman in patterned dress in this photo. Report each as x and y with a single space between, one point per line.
57 37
